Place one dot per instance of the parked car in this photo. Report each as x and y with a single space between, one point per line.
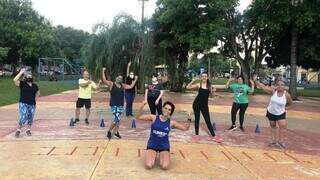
5 73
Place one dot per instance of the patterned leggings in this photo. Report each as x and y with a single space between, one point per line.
26 112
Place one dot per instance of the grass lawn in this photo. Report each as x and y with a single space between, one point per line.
10 93
219 81
309 92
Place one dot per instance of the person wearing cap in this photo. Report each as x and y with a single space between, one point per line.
29 93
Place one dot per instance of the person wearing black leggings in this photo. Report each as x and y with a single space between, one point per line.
200 104
153 95
240 100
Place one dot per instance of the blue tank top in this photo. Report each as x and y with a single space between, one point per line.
159 135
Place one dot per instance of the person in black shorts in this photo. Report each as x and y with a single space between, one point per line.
84 97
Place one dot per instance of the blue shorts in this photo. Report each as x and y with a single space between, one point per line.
116 113
26 112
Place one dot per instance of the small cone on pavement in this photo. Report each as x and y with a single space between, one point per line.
257 130
71 124
102 124
133 125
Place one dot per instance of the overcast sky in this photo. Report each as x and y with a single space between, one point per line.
84 14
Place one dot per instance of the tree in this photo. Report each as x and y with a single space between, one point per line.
185 26
218 64
308 48
113 46
3 53
27 34
249 36
299 19
68 41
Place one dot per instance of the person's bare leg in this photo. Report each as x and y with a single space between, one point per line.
117 127
87 113
77 113
273 128
282 130
150 158
112 126
109 133
165 160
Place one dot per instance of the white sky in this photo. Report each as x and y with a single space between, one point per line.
84 14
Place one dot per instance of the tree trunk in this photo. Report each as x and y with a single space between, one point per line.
245 70
293 62
181 70
257 65
172 64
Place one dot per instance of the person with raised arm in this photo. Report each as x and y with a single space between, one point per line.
240 100
159 135
200 104
29 93
276 110
153 95
130 93
116 101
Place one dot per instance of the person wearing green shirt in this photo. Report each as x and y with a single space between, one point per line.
240 100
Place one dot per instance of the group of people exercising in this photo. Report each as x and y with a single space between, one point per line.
161 113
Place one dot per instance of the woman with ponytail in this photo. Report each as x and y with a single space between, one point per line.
200 104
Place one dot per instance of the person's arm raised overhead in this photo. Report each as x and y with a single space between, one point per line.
104 80
265 88
127 86
147 117
16 79
191 85
182 126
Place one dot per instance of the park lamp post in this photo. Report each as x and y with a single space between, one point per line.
141 62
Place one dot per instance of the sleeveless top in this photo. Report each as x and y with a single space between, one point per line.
116 96
159 135
202 97
277 104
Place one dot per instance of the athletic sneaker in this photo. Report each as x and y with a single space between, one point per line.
196 138
17 134
76 120
282 145
241 128
272 144
109 135
233 127
86 121
117 134
216 139
28 132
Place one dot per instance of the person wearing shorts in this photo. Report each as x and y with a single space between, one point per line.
276 110
84 97
116 101
159 135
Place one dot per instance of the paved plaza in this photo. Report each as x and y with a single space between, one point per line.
57 151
